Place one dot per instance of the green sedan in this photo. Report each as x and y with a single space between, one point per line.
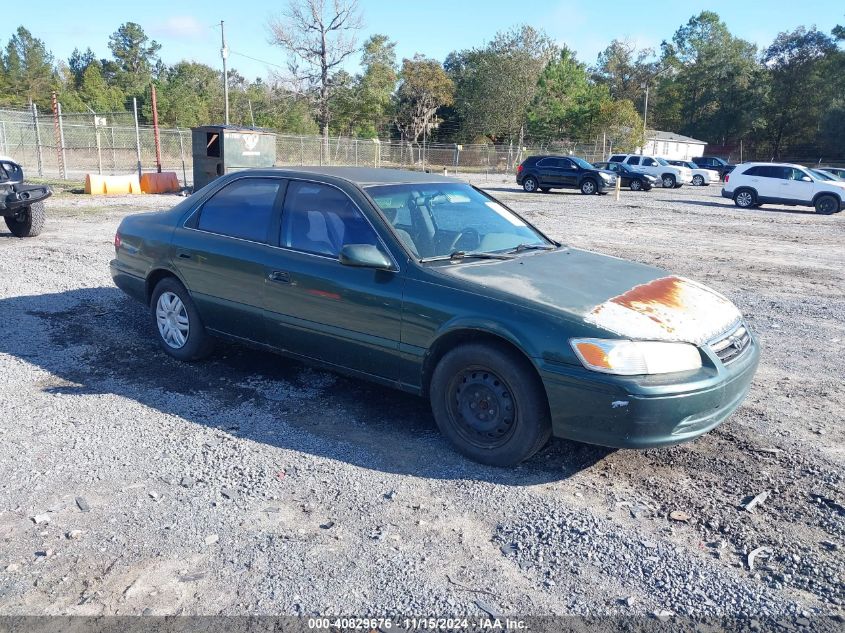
429 285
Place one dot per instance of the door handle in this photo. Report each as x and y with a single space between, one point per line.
184 255
279 276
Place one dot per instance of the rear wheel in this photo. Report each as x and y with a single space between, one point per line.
29 222
636 185
745 199
825 205
489 403
589 187
181 332
698 180
530 184
668 181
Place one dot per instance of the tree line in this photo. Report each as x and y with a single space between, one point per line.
520 87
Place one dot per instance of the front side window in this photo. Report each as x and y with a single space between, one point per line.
449 217
242 209
633 160
321 219
648 162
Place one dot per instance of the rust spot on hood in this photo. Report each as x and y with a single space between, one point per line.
648 299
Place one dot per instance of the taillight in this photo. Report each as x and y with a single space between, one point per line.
727 177
116 241
519 169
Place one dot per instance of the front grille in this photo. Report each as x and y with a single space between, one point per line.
733 345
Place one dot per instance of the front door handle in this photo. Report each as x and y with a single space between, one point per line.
184 255
279 276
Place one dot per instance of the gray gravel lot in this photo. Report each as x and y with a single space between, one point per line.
251 484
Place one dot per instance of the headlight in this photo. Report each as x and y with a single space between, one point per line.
633 358
606 177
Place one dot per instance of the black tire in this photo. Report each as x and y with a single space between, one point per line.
745 198
635 185
29 222
501 379
545 189
589 187
827 205
668 181
530 184
698 180
198 343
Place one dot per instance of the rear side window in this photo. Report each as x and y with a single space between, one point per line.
617 159
241 209
752 171
633 160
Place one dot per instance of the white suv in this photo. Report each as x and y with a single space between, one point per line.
755 184
669 175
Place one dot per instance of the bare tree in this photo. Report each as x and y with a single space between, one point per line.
318 36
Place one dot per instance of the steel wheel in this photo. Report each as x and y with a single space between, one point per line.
698 180
482 408
172 320
636 185
744 199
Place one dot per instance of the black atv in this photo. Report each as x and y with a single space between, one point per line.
22 206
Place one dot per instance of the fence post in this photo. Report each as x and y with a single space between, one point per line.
99 146
62 138
38 157
156 137
182 157
137 133
301 150
58 136
113 151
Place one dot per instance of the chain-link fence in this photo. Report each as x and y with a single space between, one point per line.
72 145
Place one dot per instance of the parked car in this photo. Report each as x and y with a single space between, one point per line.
426 284
563 172
755 184
836 171
669 175
21 205
630 178
715 163
700 176
824 174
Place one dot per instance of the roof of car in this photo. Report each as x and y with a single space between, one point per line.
364 176
752 163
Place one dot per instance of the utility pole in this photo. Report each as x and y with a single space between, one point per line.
645 117
224 53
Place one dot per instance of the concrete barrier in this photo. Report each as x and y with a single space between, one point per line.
165 182
98 185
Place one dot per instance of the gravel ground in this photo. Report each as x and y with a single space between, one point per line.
251 484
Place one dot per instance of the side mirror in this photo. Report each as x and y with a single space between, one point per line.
806 179
364 256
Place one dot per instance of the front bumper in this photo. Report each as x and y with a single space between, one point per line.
646 412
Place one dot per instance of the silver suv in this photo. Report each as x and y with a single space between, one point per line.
754 184
669 175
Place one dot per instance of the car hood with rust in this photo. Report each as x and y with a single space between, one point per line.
625 298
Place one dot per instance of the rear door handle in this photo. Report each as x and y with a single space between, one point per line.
279 276
184 255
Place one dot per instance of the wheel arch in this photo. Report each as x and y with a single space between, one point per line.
832 194
460 335
750 190
154 277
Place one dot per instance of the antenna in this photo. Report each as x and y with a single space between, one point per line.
224 54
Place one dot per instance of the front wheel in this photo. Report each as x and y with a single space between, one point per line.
29 222
589 187
489 403
669 181
825 205
181 333
530 184
698 180
636 185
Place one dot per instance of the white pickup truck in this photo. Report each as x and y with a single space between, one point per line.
670 176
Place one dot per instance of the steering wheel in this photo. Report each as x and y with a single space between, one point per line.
468 234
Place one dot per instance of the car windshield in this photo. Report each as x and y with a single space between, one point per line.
822 174
436 220
581 162
661 161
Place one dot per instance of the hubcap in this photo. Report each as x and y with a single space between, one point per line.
698 180
482 408
635 185
172 320
668 182
744 199
826 205
588 187
530 185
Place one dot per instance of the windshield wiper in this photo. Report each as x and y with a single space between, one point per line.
532 247
459 255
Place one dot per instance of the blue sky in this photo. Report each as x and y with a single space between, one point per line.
433 27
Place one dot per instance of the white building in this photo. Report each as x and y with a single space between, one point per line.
672 146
